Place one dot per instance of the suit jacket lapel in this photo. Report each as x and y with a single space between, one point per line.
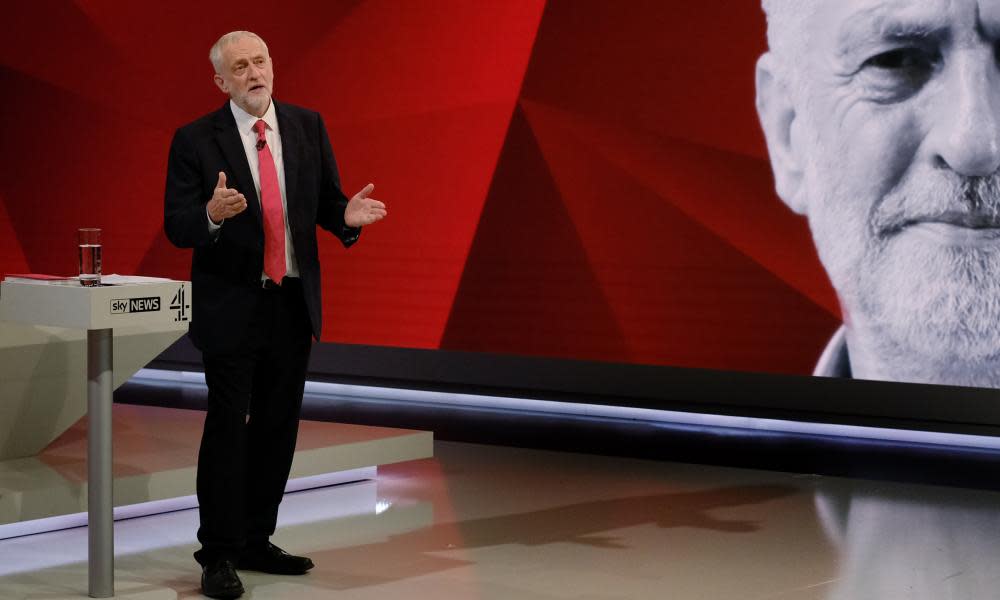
291 144
228 138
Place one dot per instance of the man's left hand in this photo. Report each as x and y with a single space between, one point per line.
362 210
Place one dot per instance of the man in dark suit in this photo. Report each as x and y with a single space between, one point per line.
247 187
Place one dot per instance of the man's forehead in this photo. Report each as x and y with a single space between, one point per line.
245 47
903 18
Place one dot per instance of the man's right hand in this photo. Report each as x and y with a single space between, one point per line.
225 202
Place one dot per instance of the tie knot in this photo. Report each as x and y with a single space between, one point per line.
260 126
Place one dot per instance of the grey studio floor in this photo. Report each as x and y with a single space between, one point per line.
489 522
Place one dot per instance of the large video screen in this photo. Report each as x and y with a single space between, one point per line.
594 180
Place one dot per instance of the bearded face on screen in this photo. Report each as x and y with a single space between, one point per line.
883 124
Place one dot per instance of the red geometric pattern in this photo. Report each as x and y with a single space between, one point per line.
564 178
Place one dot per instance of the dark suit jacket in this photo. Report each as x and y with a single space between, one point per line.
226 267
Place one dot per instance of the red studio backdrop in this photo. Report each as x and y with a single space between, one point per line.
579 179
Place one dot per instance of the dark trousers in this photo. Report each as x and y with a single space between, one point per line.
254 400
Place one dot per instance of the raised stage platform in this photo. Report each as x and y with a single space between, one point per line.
155 455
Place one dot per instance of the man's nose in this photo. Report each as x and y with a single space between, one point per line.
968 128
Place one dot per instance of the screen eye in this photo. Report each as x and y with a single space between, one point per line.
898 73
901 59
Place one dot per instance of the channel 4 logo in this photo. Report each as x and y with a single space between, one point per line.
121 306
182 305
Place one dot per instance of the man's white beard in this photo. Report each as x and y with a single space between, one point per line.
932 311
916 309
256 104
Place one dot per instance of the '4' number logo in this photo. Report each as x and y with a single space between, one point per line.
181 304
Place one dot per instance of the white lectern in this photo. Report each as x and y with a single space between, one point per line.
134 302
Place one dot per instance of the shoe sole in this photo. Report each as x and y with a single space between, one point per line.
259 569
271 571
225 595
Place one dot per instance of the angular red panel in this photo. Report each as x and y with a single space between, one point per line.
433 171
83 167
730 195
12 259
417 98
390 59
683 294
677 69
528 287
163 259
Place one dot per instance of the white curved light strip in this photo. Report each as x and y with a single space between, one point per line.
599 411
156 507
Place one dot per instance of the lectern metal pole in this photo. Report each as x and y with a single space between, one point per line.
100 480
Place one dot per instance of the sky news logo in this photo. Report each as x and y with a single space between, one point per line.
120 306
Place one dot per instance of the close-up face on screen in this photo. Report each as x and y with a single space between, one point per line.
882 128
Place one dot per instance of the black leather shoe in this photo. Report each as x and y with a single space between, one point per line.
219 580
272 559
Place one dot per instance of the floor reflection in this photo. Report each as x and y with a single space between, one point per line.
592 524
913 542
485 523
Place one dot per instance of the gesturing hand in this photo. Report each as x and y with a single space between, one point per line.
362 210
225 202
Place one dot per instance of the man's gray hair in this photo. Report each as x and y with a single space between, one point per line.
215 54
787 31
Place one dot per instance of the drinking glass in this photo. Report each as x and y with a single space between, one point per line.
89 240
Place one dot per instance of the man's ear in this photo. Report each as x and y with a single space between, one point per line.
776 112
220 83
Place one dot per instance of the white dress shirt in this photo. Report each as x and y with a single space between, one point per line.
244 124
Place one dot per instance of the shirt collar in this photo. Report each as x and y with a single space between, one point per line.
835 361
245 121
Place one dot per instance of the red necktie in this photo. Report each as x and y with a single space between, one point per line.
270 204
